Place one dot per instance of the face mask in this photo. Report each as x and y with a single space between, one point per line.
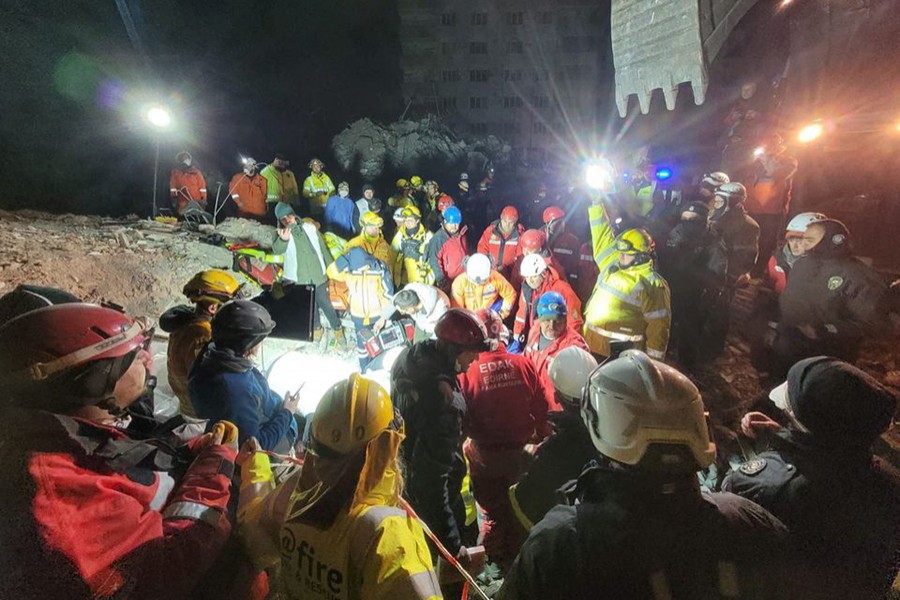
343 193
250 172
280 168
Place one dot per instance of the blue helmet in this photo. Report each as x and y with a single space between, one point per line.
452 215
552 305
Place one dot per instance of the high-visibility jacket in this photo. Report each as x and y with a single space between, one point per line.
189 333
371 549
528 298
185 186
317 189
475 296
401 201
412 261
543 357
503 249
249 194
565 248
281 186
627 305
378 248
369 282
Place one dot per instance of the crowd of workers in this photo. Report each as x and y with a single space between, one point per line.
542 420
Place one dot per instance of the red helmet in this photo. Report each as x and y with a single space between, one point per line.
533 239
461 327
496 330
57 347
509 213
445 202
552 213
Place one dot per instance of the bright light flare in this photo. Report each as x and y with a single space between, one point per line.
159 117
810 133
664 173
759 152
314 372
598 175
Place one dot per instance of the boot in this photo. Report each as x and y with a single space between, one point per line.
317 334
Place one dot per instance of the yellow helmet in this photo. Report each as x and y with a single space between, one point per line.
402 184
349 415
411 211
371 219
415 181
213 285
634 241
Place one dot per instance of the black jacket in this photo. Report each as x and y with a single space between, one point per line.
626 539
694 263
432 450
843 514
741 236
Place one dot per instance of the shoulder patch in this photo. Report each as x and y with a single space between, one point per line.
835 282
752 467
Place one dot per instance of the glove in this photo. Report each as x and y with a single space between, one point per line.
226 433
515 347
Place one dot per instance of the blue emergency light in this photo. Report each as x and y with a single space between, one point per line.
663 173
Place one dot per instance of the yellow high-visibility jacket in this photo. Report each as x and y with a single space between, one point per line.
184 345
474 296
317 189
372 550
629 305
281 186
412 262
380 249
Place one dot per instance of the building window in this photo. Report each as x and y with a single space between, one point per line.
515 18
514 47
541 75
479 128
512 102
479 18
541 101
509 128
478 102
512 75
447 104
538 127
449 76
479 75
448 19
545 18
477 47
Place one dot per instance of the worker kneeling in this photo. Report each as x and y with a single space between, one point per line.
336 525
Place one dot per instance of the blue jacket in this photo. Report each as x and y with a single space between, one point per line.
342 217
224 386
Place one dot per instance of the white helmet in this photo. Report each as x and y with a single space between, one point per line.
533 264
715 179
642 411
799 223
478 268
569 373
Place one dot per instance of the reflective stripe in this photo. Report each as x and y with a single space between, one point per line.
520 319
517 508
618 294
202 189
235 196
193 511
596 222
830 328
657 314
615 335
656 354
562 251
164 486
173 189
587 257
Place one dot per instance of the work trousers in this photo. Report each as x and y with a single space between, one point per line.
323 302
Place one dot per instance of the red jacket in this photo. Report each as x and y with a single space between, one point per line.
249 194
566 248
528 300
587 273
515 278
503 249
543 358
446 255
86 520
505 403
777 274
185 186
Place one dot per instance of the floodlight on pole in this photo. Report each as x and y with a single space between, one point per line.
159 117
598 175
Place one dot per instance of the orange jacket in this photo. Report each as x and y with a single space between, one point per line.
528 301
249 193
185 186
468 294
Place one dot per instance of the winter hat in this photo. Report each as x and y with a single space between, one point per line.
836 401
368 187
282 210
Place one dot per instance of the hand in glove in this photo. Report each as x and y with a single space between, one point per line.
515 347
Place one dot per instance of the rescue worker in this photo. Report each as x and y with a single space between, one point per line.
306 260
187 187
26 297
317 188
281 184
562 456
336 525
425 389
710 183
481 286
448 249
551 337
587 273
434 203
249 190
562 244
500 240
416 188
425 304
730 221
402 197
341 213
832 303
411 243
91 512
769 194
539 279
370 289
796 244
630 302
534 241
640 527
190 328
372 241
505 410
695 261
363 204
224 383
818 476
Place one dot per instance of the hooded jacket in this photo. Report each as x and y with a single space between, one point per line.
526 315
188 334
446 255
